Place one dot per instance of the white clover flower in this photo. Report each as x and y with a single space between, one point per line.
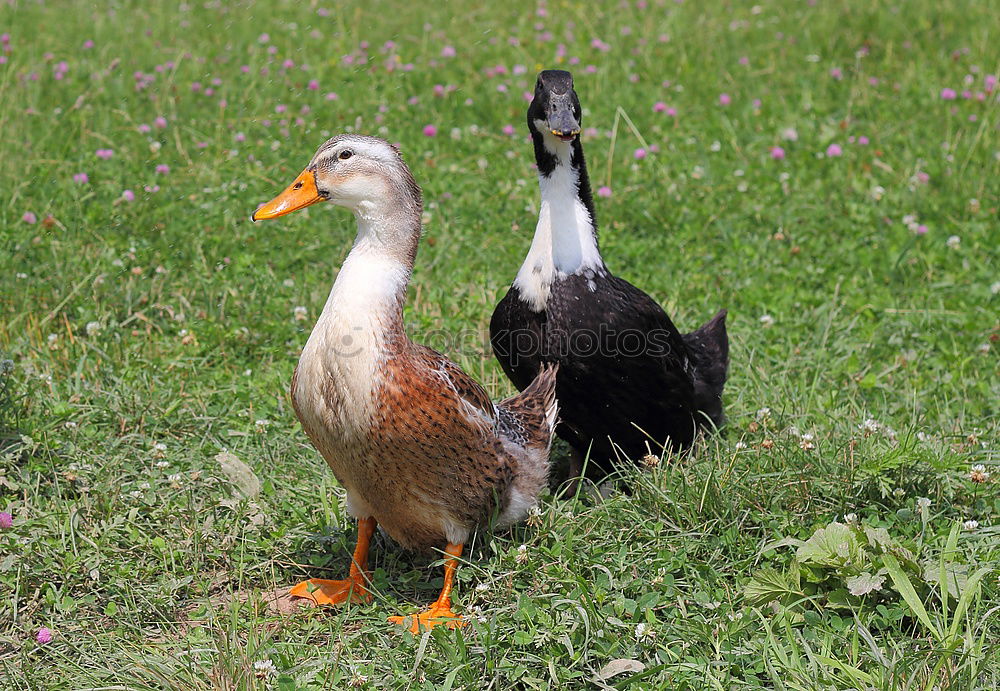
162 464
261 425
160 447
300 313
262 669
923 503
740 445
93 328
534 516
984 348
970 524
953 242
979 474
850 518
899 492
763 413
766 320
715 146
790 134
522 555
877 192
869 426
995 288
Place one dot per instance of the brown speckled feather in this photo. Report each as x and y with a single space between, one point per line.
439 457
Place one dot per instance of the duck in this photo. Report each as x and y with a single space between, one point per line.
629 384
418 445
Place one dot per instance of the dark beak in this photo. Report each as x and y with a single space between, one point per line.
562 122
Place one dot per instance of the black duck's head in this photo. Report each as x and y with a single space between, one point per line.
555 109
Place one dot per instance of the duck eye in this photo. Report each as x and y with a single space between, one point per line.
345 154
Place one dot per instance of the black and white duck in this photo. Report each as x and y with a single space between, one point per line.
629 383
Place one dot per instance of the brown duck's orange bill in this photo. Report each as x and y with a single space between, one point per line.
298 195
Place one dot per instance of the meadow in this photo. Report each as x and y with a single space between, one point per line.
828 171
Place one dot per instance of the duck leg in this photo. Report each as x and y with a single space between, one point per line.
352 589
439 613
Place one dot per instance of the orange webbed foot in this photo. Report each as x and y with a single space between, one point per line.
325 592
435 615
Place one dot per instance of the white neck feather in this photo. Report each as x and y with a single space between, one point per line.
360 325
371 284
565 243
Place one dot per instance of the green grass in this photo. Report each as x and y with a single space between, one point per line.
152 569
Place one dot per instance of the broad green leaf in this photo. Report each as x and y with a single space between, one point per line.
864 583
950 578
833 545
878 538
769 585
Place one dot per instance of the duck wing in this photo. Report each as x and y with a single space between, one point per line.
475 403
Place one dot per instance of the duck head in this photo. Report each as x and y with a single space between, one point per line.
364 174
555 110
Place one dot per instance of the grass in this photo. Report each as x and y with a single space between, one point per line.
146 337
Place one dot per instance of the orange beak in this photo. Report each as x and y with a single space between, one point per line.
298 195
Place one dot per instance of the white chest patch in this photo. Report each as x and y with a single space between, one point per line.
564 242
339 369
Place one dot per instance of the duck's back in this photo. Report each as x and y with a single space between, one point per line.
625 383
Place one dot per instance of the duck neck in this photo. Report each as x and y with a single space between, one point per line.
565 241
368 296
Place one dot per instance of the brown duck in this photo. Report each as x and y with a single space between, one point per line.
417 443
